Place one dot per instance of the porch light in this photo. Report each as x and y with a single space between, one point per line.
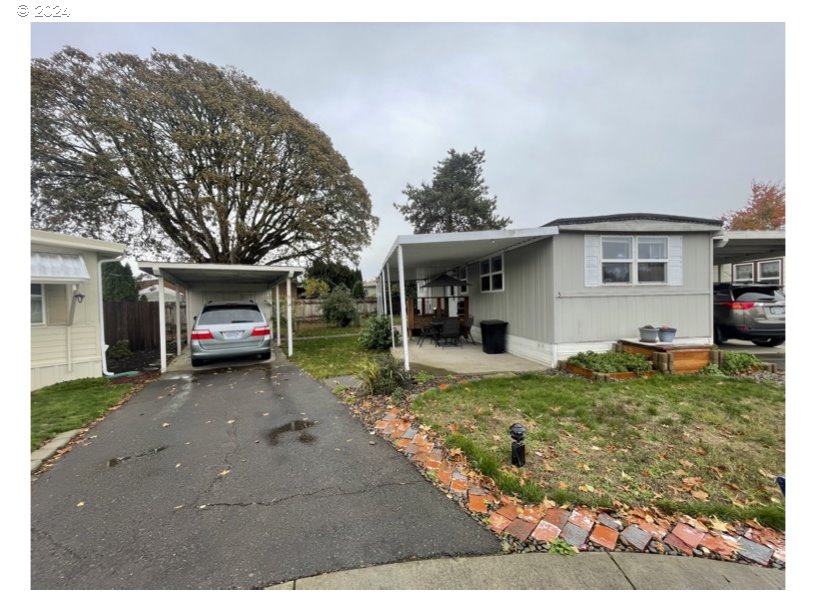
79 297
517 449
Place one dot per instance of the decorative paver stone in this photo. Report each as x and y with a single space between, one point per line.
582 519
520 529
412 449
545 532
574 535
477 503
604 536
459 486
636 537
658 533
557 517
508 511
691 536
678 545
717 544
608 521
497 522
753 551
402 443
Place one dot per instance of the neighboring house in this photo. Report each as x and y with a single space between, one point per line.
574 284
66 300
370 288
151 294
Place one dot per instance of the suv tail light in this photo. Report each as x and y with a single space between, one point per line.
261 331
740 305
201 334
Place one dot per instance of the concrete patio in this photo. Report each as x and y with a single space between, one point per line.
464 359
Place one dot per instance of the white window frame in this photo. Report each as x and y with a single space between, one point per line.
633 260
42 303
734 278
492 273
777 278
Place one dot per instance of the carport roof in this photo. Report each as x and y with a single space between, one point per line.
426 255
193 273
739 246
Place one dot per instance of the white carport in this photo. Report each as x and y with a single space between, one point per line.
222 282
421 256
732 247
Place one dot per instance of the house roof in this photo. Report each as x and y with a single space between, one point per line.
624 217
53 239
427 255
187 274
54 268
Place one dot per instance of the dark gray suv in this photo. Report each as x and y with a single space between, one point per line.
749 312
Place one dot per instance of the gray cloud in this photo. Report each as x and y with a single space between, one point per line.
576 119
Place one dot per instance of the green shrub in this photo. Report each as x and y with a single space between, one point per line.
383 375
611 362
738 363
712 369
423 377
357 290
339 307
376 335
119 350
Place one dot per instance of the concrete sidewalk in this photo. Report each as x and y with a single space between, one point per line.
609 571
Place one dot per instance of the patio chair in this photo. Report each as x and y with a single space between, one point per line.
450 333
426 332
464 330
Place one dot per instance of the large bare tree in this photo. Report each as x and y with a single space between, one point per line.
170 150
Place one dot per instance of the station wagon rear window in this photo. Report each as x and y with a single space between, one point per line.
226 315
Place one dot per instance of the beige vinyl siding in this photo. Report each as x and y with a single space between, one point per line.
56 304
527 300
588 314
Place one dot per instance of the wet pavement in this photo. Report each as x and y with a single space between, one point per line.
234 478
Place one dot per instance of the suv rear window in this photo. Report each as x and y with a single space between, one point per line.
226 314
757 294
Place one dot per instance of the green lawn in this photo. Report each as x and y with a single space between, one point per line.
71 405
697 444
325 357
319 328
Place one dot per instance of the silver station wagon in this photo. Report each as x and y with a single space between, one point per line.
749 312
230 329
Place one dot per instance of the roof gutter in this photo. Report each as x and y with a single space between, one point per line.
102 344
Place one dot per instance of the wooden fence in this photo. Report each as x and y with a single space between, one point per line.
312 309
138 323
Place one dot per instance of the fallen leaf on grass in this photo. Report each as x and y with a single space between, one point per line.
625 476
587 488
585 467
562 485
701 495
685 463
692 482
719 525
548 467
766 474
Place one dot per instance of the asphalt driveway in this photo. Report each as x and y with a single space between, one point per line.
234 478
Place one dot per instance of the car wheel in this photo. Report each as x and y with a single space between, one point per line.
769 341
718 335
196 362
265 356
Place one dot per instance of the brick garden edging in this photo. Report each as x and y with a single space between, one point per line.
533 527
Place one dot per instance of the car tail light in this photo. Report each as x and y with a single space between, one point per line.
261 331
202 334
740 305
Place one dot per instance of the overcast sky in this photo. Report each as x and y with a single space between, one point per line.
575 119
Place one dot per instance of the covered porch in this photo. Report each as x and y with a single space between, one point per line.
422 259
466 359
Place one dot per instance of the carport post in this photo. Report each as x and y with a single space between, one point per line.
277 311
289 314
390 304
402 310
162 327
178 320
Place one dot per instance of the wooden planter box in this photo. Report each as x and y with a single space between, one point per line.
675 359
575 369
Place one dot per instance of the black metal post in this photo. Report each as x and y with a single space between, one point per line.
517 449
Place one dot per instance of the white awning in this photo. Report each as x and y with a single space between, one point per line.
58 269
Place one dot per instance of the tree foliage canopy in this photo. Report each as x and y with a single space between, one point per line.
455 201
174 155
334 273
765 209
118 283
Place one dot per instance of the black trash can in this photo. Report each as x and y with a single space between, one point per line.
494 336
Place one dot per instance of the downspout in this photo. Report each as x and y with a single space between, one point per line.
102 344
